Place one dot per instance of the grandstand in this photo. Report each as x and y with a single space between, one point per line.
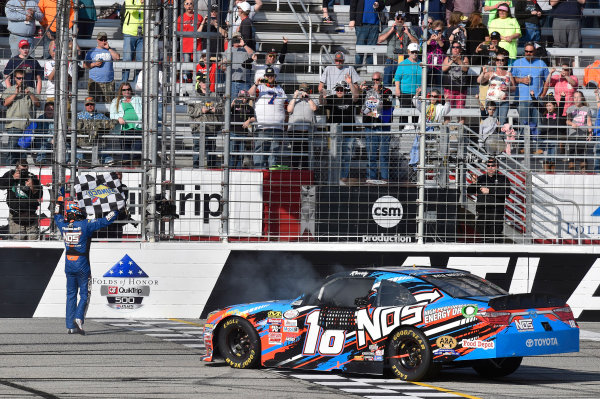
196 179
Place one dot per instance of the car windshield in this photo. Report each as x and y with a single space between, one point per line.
461 285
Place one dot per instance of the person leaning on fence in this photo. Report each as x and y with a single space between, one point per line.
340 108
491 190
99 61
127 110
580 133
23 196
301 123
21 15
206 112
20 101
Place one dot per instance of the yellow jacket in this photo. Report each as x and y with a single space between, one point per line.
48 8
134 17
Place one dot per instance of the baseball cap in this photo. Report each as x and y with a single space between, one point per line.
269 71
101 35
303 86
401 14
215 7
495 36
245 6
503 7
272 51
492 161
23 43
89 100
413 47
340 56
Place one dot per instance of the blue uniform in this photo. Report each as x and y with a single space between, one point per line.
78 238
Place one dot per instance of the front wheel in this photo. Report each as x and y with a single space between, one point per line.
239 343
495 368
409 354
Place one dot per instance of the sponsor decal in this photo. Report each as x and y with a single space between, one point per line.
477 344
378 358
541 342
398 238
572 323
400 278
125 285
291 314
290 323
275 338
101 191
469 311
379 352
275 321
442 313
359 358
524 325
290 329
358 274
445 352
274 328
446 342
274 315
387 211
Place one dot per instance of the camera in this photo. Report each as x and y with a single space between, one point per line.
461 25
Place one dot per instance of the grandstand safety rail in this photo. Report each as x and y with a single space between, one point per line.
203 163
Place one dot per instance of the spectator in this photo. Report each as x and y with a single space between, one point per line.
241 65
408 78
325 8
404 6
436 10
20 101
552 123
509 30
466 7
528 13
566 25
437 46
564 83
340 108
21 15
579 119
489 139
43 144
127 109
23 196
242 117
487 51
26 63
189 21
457 29
491 190
210 23
86 19
377 114
455 68
99 60
237 19
271 61
501 83
49 21
334 74
246 28
212 75
490 7
597 133
529 74
397 36
133 35
50 70
364 17
95 125
269 108
301 110
209 112
476 33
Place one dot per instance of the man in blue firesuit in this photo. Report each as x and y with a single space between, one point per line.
77 234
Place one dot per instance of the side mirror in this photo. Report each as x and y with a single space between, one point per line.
361 302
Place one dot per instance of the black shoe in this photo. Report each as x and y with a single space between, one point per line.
71 331
79 326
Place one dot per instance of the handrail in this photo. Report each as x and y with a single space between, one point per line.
309 35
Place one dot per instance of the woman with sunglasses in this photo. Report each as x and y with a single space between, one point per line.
563 81
509 30
454 78
501 83
127 109
437 45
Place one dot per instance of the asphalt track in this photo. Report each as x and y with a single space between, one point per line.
146 359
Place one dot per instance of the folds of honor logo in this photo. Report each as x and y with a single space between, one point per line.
125 284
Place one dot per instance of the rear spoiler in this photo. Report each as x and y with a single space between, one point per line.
525 301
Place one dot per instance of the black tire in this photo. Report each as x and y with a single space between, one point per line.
495 368
409 354
239 343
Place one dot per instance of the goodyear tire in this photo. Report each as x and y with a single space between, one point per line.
494 368
239 343
409 354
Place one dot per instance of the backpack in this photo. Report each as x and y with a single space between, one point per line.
122 13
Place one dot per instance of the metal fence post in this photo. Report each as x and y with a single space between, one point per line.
336 142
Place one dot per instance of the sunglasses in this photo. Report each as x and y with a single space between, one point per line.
433 95
438 31
24 48
376 80
103 40
528 51
458 47
414 52
126 89
18 77
492 109
87 105
339 89
500 59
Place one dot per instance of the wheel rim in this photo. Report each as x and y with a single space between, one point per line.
410 354
239 342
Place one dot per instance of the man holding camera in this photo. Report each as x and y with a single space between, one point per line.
398 37
23 196
300 125
488 50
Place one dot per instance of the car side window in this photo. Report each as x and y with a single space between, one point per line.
394 294
343 292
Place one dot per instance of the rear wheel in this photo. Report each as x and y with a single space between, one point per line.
239 343
494 368
409 354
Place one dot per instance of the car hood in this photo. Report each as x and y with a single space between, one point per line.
255 310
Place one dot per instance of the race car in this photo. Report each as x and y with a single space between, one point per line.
407 321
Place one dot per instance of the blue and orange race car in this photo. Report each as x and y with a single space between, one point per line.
405 320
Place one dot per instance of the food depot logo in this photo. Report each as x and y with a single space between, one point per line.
125 285
387 211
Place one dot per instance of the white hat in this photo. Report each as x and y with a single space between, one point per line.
413 47
245 6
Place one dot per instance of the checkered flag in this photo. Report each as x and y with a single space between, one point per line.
99 194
